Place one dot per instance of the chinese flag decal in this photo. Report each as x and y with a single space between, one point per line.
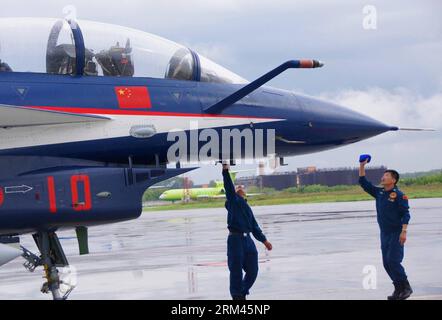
133 97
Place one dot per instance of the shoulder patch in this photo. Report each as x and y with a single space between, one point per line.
405 197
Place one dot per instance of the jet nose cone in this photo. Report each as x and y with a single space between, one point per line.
339 123
366 125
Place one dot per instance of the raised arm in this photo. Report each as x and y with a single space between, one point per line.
229 187
365 184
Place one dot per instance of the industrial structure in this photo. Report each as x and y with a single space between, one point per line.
310 176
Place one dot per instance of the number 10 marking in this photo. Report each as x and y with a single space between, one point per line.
75 180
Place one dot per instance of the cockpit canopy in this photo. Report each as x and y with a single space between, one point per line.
97 49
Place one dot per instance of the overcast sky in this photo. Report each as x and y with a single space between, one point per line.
392 73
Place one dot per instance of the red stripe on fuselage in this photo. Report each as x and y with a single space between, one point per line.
98 111
2 196
51 194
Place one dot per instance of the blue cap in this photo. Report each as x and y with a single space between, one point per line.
364 157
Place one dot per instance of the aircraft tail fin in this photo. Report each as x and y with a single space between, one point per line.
219 184
234 173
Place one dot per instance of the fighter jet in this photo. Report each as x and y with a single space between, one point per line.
215 192
85 113
194 193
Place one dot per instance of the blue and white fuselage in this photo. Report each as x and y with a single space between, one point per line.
83 111
86 110
75 110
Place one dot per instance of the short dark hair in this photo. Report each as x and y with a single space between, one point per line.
394 174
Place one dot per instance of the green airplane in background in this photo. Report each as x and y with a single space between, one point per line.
197 193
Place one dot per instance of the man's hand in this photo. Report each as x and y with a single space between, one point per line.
226 166
362 168
268 245
403 237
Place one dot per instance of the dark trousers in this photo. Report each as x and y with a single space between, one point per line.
241 255
392 255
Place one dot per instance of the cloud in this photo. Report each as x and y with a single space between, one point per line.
401 106
213 51
255 36
402 150
392 73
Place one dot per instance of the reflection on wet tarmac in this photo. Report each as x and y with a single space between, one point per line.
320 251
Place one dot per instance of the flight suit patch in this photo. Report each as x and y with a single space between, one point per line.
392 197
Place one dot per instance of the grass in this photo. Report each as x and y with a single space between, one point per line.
317 194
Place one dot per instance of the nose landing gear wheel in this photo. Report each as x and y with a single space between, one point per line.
52 257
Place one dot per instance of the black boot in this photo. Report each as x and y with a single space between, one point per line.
406 291
238 298
397 289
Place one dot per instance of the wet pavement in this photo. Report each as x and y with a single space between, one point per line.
321 251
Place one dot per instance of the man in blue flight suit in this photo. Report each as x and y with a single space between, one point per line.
241 250
393 217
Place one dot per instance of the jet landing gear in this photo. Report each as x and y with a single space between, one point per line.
52 257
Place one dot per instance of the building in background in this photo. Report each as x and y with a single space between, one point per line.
311 175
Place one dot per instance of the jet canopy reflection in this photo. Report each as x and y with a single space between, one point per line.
86 48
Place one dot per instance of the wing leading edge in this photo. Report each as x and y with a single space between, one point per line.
18 116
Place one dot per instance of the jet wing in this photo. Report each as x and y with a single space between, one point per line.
17 116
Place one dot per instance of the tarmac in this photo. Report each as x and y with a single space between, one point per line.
321 251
